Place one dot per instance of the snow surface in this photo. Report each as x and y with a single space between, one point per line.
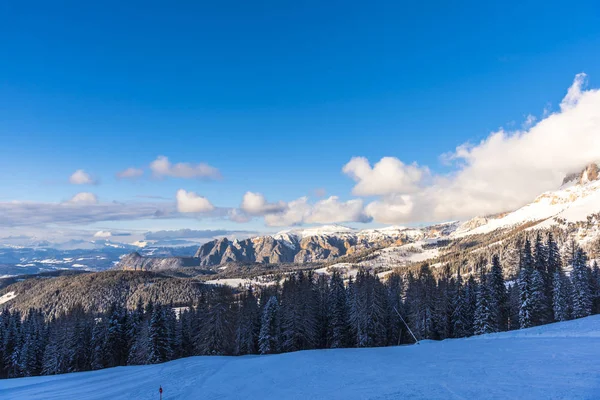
559 361
7 297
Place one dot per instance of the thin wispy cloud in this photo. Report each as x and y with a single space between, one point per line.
130 173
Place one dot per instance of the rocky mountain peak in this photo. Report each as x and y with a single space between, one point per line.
589 174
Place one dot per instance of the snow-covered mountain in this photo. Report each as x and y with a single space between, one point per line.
576 201
556 361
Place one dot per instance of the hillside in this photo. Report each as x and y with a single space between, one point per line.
96 291
558 361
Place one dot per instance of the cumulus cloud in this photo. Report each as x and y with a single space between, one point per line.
80 177
387 176
162 167
84 198
326 211
102 234
256 204
130 173
190 202
505 171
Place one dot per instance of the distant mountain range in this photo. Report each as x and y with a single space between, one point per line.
575 204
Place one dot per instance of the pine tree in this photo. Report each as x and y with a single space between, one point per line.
322 312
527 303
248 325
580 277
460 320
269 337
422 305
514 305
217 327
595 287
485 318
158 337
498 295
542 283
339 326
396 327
561 297
553 265
116 339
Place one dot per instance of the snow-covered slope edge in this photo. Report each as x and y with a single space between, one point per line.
558 361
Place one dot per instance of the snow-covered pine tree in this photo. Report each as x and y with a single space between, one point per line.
485 316
595 285
339 326
498 295
217 327
116 336
460 322
98 344
561 296
527 304
471 292
158 337
580 277
544 307
553 264
270 333
396 327
323 306
538 299
442 313
514 305
248 325
423 304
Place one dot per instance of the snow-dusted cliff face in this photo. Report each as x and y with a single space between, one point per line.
312 244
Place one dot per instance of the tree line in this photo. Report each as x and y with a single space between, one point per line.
309 311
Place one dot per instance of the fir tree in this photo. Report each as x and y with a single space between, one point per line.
460 319
248 325
158 337
527 303
269 337
595 288
561 297
498 295
485 317
580 278
339 327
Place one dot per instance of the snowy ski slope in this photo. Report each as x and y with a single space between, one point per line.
559 361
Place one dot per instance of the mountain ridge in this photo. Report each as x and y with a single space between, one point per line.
577 200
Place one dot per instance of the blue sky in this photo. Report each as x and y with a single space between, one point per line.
278 96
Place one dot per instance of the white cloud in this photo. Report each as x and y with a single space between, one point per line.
506 170
190 202
388 176
326 211
102 234
80 177
130 173
80 210
84 198
256 204
332 210
162 167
